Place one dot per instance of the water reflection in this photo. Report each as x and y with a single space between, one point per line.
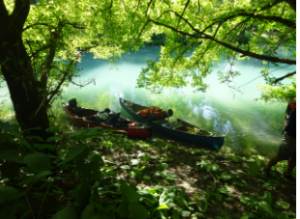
249 125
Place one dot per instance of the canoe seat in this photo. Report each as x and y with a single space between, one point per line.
73 106
115 118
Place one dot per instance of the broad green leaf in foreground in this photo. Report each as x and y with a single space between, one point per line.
225 176
283 204
37 161
137 211
8 193
66 213
253 169
74 153
10 155
129 194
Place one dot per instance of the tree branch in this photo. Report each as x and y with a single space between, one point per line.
146 13
285 76
260 16
87 83
138 4
75 25
180 17
39 50
44 24
48 62
53 93
201 35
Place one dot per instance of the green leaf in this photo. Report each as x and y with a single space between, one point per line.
164 199
135 162
97 205
162 207
114 130
74 153
248 215
142 168
125 167
265 207
129 194
37 162
197 196
181 200
224 189
215 168
35 137
9 212
175 215
10 155
203 205
36 177
253 169
122 210
185 213
225 176
137 211
208 167
52 129
88 212
66 213
53 138
267 197
163 166
283 204
44 146
8 193
239 184
83 196
10 170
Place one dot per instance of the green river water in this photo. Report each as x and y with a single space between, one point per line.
250 127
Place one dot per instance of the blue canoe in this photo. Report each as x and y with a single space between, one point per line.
179 129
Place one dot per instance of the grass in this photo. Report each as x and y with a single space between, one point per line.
101 175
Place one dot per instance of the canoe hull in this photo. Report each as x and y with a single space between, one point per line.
210 142
130 132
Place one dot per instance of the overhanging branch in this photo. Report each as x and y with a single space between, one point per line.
36 24
202 35
180 17
259 16
285 76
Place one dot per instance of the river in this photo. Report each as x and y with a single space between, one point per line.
250 126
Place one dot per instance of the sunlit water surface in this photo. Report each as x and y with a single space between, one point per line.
250 127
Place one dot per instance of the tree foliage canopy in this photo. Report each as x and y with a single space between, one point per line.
212 30
198 35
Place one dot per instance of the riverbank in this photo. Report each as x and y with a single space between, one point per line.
96 173
215 184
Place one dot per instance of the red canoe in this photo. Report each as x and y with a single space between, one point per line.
88 118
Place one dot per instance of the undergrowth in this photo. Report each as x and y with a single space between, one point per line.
97 174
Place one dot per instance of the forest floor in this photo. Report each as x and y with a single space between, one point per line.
215 184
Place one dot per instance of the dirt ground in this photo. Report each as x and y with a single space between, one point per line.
187 169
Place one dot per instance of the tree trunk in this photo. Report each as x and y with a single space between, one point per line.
18 72
21 82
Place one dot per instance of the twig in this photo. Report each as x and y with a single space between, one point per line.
41 206
30 207
285 76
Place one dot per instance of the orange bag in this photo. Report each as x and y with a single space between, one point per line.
154 111
144 113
